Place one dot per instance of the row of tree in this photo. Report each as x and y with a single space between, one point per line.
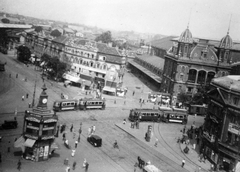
52 66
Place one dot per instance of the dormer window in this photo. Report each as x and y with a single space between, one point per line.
104 58
235 101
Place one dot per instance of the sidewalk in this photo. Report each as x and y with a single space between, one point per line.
167 135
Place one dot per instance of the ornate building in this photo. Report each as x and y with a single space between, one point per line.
39 130
89 61
192 62
221 130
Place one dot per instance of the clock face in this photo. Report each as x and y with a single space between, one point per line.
44 100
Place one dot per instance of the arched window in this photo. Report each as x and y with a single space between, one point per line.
192 75
183 69
201 77
91 63
104 67
98 65
210 76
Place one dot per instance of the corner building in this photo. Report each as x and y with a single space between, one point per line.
39 130
220 141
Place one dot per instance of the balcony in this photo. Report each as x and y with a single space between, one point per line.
209 137
222 148
232 147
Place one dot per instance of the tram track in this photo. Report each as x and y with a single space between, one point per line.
166 146
126 157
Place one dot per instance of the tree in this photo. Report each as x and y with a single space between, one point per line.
201 96
105 37
38 29
5 20
55 33
183 98
54 67
23 53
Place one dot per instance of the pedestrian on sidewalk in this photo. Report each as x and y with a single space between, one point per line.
26 95
64 136
22 98
74 165
73 152
71 128
183 163
156 142
79 138
133 93
68 169
16 75
76 143
93 129
19 165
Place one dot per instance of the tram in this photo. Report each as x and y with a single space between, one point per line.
65 104
176 117
145 115
89 103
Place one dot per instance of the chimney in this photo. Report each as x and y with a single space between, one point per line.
110 44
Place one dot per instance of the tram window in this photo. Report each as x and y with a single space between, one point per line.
100 103
63 104
152 114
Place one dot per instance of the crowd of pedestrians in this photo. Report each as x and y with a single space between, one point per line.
63 130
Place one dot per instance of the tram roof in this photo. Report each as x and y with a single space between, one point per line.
147 110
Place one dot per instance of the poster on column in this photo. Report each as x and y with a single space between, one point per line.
46 148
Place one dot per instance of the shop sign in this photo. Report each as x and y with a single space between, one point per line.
45 155
233 128
32 119
50 120
48 128
41 152
32 127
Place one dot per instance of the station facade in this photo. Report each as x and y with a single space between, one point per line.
194 62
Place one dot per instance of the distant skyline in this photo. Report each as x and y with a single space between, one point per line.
206 18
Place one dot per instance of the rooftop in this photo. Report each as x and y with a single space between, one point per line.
153 60
231 82
164 43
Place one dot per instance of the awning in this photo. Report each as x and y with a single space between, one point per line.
54 146
151 168
109 89
19 142
29 143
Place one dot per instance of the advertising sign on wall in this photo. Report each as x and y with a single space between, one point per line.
233 128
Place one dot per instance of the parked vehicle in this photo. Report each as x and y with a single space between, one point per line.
95 140
9 124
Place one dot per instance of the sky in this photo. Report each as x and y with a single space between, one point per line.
206 18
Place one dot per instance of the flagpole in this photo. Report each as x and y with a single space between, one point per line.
33 101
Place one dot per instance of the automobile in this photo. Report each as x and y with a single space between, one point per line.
95 140
9 124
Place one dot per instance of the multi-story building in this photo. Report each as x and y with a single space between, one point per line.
192 62
221 130
89 61
39 130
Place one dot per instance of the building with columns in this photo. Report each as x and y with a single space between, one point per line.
192 62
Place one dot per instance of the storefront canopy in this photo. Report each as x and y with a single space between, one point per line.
19 142
29 143
109 89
